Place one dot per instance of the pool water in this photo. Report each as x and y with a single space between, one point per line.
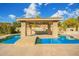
11 39
59 40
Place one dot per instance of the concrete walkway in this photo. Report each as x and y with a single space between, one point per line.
39 50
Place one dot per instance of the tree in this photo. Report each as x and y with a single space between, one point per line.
77 23
5 28
14 26
8 28
62 26
37 16
71 22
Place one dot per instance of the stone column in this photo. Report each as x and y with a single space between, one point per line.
55 29
28 30
49 29
32 31
23 30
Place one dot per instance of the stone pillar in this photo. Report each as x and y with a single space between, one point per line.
55 29
23 30
28 30
49 29
32 31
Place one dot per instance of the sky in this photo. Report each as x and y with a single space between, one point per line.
10 11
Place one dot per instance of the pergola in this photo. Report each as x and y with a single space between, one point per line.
52 24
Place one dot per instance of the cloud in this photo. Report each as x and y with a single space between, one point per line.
70 4
40 3
25 9
74 14
77 12
46 4
12 16
64 14
31 11
59 13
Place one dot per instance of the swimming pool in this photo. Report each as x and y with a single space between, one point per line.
11 39
59 40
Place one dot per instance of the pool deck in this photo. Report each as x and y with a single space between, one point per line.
74 34
26 47
40 50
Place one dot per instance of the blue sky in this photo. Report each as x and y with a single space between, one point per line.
10 11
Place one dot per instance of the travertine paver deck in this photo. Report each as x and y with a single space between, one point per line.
23 48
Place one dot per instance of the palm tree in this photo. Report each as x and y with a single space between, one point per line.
71 22
77 23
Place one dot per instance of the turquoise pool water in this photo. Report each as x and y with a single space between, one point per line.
11 39
59 40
